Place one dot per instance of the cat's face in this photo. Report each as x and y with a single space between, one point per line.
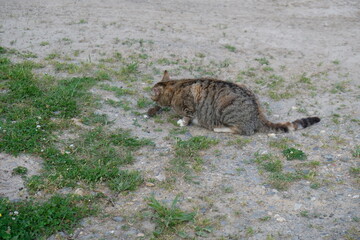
162 91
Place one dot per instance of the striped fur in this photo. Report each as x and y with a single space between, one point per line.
219 105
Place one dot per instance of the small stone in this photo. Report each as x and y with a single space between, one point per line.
149 184
118 219
279 218
140 235
329 157
272 135
79 192
313 199
297 206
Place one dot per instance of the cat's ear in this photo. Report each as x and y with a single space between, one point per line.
166 76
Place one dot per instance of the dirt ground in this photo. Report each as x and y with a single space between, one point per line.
319 39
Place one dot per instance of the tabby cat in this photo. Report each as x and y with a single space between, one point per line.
217 105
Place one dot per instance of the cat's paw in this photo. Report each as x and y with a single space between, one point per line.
181 123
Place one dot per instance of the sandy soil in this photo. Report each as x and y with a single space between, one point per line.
298 37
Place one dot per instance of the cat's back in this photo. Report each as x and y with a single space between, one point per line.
214 90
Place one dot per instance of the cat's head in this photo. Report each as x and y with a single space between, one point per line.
162 91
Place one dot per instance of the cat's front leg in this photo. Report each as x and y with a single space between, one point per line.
184 121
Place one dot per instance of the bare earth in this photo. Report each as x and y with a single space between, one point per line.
318 38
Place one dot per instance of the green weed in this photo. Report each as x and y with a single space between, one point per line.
356 152
143 102
279 96
52 56
66 67
305 79
293 153
102 75
20 170
262 61
355 171
44 44
167 218
230 48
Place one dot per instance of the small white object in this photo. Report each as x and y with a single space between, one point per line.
272 135
223 130
146 116
279 218
181 123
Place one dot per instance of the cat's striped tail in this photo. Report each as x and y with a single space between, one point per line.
291 126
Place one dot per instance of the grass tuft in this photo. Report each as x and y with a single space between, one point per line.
168 217
293 153
32 220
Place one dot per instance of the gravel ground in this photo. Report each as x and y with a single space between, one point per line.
316 40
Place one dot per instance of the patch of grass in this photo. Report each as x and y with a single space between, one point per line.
239 142
117 90
272 166
249 72
279 96
335 118
355 171
262 61
293 153
282 143
275 81
274 171
143 102
167 218
32 220
28 54
268 69
2 50
281 180
66 67
20 170
177 131
93 158
96 119
264 219
304 79
339 87
356 152
102 75
230 48
224 64
44 44
128 71
187 158
123 104
28 106
52 56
